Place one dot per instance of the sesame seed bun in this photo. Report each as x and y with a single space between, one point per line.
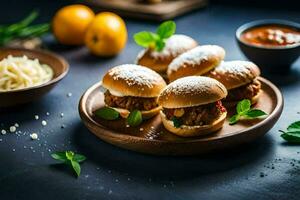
197 61
159 61
133 80
191 91
234 74
192 131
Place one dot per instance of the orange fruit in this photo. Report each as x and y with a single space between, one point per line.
106 35
70 24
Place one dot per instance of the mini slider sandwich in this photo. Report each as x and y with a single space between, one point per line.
197 61
192 106
240 79
133 87
159 61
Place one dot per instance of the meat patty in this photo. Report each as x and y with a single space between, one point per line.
197 115
130 103
244 92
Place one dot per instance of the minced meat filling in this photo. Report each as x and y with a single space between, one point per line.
244 92
130 103
197 115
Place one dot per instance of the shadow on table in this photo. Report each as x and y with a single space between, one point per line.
284 79
143 165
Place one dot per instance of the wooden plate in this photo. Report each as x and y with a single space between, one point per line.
152 138
16 97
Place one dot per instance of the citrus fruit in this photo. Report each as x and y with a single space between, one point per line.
70 24
106 35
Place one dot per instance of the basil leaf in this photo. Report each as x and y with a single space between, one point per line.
107 113
234 119
294 127
145 38
255 113
61 156
243 106
176 122
159 45
69 155
76 167
135 118
166 29
293 137
79 158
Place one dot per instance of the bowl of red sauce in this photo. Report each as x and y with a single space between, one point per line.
274 45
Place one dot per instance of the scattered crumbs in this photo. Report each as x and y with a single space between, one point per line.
36 117
127 126
98 168
12 129
44 123
141 129
61 115
69 94
110 191
34 136
24 147
151 138
165 185
13 150
128 179
3 132
47 113
117 180
152 127
16 125
0 139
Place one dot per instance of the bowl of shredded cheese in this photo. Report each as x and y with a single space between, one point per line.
26 75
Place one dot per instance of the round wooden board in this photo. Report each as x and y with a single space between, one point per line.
152 138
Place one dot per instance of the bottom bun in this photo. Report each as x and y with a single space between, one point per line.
230 104
146 114
192 131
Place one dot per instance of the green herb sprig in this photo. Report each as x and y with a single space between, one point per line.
156 41
244 111
176 122
70 158
134 119
292 134
23 29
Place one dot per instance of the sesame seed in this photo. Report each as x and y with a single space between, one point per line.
34 136
44 123
12 129
3 132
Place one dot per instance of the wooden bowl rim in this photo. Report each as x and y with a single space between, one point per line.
59 58
86 118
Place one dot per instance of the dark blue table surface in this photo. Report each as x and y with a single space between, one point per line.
265 169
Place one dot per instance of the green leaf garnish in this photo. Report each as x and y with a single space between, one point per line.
156 40
176 122
166 29
293 133
107 113
135 118
70 158
244 111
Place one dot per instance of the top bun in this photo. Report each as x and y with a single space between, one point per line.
197 61
133 80
234 74
191 91
159 61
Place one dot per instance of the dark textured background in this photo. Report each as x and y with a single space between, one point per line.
28 172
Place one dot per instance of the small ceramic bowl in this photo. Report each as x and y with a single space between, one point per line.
274 59
16 97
